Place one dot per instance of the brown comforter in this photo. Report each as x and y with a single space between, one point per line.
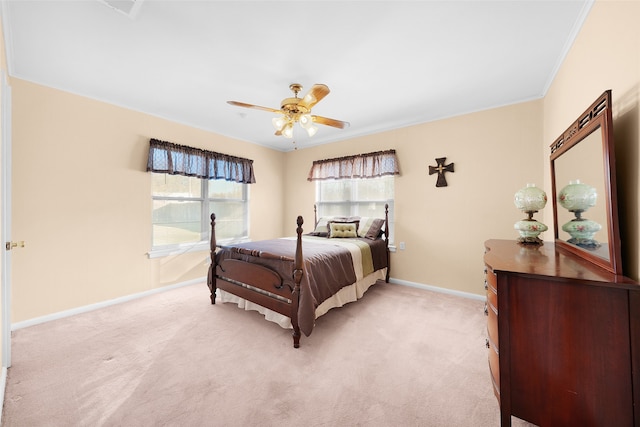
327 268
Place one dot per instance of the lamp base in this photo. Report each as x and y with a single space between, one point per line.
534 241
590 244
582 231
529 229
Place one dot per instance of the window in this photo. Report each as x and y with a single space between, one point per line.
182 206
356 197
357 185
187 185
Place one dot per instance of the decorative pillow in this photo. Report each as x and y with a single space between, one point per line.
350 220
370 228
322 227
375 230
365 225
342 229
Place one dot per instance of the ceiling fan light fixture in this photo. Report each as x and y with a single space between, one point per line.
306 121
297 110
311 130
287 131
278 122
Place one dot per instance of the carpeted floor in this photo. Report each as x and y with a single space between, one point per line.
399 357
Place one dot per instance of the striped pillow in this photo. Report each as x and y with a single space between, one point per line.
322 227
371 228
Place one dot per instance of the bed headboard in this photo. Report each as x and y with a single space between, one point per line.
386 220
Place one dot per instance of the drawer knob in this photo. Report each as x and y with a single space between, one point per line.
486 309
486 285
486 343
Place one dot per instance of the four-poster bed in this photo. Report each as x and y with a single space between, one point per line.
292 281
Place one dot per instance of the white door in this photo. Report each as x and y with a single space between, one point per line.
5 199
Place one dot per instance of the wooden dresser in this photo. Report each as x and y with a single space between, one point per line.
563 338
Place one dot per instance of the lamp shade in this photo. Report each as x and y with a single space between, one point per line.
278 122
530 198
311 130
287 131
306 121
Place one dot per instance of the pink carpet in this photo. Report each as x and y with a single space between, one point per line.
399 357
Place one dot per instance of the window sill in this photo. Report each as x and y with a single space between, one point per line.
178 250
188 247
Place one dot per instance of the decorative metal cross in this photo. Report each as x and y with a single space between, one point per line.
440 170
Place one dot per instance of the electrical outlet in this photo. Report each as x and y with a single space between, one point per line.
402 246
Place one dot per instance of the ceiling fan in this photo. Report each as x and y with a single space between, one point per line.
296 109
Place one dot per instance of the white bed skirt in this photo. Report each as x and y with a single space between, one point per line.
343 296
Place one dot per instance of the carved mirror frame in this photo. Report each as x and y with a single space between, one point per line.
585 150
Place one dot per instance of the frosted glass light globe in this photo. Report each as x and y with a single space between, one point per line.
530 198
577 197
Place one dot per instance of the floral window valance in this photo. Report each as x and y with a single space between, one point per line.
174 159
369 165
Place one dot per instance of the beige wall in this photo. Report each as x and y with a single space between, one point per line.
605 55
495 153
87 226
82 204
509 147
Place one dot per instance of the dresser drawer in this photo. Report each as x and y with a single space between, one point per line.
491 280
491 309
494 368
492 325
492 299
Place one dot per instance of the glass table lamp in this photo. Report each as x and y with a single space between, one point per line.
530 200
578 198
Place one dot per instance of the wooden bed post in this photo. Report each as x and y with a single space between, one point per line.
315 215
211 276
386 238
297 278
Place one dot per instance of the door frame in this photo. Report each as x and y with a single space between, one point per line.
5 198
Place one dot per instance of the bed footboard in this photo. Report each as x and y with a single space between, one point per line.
257 283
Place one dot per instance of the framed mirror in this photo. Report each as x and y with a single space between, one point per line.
583 183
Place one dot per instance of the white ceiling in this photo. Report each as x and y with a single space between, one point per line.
389 64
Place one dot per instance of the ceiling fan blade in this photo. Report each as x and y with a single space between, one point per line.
255 107
315 95
330 122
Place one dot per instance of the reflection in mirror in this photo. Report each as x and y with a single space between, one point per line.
580 178
584 188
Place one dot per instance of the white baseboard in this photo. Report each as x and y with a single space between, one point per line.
91 307
437 289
